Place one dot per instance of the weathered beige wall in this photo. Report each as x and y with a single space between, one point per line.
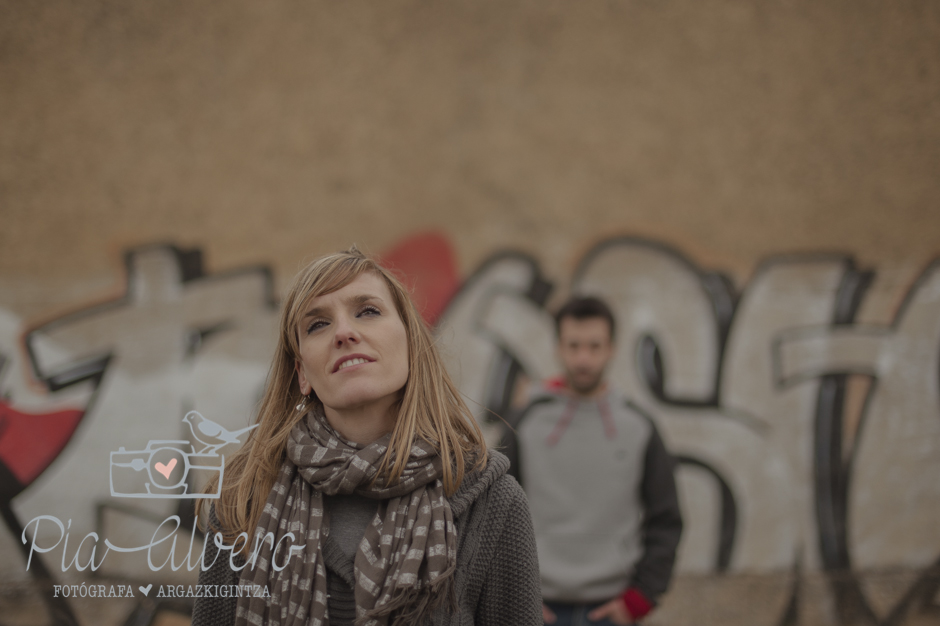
272 131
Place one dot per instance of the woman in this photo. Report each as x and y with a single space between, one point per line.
366 453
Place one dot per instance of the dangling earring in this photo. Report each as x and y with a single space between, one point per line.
302 405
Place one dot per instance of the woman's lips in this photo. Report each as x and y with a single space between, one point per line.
351 361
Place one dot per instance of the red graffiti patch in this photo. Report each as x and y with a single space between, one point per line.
425 264
29 443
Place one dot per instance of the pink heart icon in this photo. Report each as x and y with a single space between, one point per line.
165 469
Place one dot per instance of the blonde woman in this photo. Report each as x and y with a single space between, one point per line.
366 495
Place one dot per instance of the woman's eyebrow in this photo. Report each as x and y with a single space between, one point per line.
350 301
362 299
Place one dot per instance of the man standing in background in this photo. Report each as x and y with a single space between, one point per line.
599 482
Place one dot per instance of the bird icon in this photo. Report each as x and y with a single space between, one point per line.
210 434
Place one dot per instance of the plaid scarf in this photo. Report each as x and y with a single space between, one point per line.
405 562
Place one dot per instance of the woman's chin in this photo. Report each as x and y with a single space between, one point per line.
364 401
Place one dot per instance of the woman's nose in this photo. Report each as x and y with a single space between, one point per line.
345 332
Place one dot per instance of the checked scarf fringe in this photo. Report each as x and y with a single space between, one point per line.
405 563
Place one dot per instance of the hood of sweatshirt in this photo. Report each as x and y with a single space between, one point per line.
557 388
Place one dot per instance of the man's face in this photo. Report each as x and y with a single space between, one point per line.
585 348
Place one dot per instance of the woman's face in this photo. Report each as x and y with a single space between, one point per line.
353 347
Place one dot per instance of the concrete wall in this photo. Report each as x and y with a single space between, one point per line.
753 185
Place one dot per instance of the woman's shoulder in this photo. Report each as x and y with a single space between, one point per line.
492 485
504 486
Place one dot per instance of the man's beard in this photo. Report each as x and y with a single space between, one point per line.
581 383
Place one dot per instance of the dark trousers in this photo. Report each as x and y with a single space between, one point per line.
576 614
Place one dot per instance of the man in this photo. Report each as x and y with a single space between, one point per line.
599 482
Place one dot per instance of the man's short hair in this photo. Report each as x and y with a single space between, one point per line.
583 308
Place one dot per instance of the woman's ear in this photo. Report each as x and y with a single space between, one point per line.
305 387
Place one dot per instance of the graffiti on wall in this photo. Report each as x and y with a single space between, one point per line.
749 391
748 388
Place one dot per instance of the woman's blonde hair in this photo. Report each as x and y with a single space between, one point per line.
430 409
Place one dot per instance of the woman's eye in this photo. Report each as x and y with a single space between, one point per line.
369 310
315 326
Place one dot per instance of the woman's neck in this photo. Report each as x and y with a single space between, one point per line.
364 424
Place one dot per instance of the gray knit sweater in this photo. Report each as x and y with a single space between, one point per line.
497 577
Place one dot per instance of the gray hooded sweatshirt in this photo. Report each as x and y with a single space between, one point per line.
601 490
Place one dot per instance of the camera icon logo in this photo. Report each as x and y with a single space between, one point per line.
163 468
